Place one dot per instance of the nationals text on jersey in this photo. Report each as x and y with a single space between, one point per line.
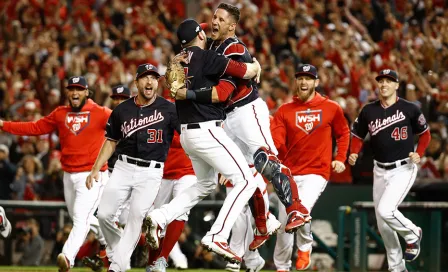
381 124
135 124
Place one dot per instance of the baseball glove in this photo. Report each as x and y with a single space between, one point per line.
175 77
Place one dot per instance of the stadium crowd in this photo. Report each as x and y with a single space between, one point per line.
44 42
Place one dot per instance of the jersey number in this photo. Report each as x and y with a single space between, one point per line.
155 136
400 133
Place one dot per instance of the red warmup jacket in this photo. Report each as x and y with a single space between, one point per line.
81 133
177 163
303 134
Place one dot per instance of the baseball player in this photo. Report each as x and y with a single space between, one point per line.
140 130
81 131
304 129
178 175
5 225
206 143
119 94
392 123
247 124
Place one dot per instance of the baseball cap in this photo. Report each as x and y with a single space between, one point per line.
307 70
146 68
4 148
391 74
77 81
188 30
120 91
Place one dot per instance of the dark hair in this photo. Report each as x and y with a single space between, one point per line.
232 10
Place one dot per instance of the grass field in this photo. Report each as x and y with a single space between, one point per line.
54 269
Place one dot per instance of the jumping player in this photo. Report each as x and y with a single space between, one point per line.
207 144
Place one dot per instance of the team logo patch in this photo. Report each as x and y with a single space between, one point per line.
120 90
308 120
149 66
387 71
306 68
77 121
421 120
75 79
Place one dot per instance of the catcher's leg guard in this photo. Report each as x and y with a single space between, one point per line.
268 165
258 209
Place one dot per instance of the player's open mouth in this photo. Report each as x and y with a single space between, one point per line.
148 89
304 88
75 99
215 30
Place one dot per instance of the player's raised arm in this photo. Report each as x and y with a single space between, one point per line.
45 125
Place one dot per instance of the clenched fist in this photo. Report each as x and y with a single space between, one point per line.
352 159
415 157
338 166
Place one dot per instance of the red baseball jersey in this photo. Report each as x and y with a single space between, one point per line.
177 163
303 133
81 133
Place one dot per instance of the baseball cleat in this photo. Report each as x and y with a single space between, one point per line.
303 261
223 250
295 221
233 267
152 232
413 250
5 225
63 263
258 241
257 267
159 265
273 225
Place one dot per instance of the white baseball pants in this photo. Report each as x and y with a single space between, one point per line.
140 185
310 187
81 205
390 187
242 235
210 150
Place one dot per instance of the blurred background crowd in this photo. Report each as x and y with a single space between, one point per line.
44 42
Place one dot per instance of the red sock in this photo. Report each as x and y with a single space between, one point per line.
153 255
173 232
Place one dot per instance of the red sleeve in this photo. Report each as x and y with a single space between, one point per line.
224 89
342 133
356 145
42 126
423 142
175 143
278 130
236 69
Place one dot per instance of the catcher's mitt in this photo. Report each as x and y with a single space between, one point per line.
175 77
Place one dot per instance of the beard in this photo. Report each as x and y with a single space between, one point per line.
304 96
78 109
